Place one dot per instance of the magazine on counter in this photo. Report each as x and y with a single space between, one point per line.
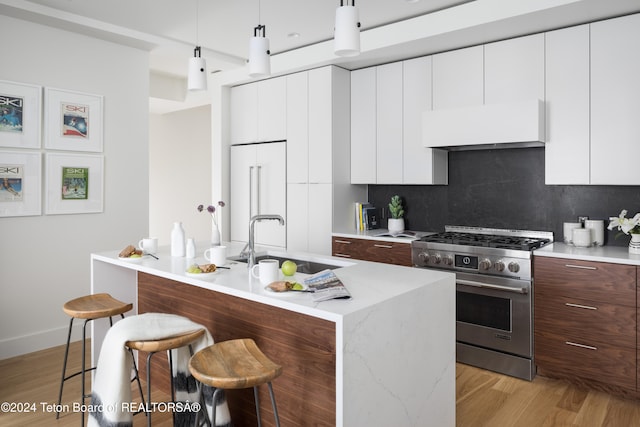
326 285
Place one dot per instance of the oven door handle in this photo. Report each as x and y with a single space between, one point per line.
495 287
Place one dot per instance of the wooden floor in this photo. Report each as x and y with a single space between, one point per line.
483 398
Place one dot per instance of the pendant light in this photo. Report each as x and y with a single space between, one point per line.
346 39
197 77
259 55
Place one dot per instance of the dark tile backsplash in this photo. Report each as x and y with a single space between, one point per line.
505 189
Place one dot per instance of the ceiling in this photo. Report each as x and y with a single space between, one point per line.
300 31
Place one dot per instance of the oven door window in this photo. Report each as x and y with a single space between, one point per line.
484 310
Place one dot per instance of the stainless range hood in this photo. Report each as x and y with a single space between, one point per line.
509 125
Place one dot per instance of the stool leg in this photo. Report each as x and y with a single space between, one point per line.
137 377
257 399
173 393
64 368
273 404
149 388
83 369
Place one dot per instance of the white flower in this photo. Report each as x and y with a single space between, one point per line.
626 225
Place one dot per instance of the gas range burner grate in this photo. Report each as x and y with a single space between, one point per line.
486 240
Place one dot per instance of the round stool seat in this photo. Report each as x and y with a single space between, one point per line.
95 306
233 364
169 343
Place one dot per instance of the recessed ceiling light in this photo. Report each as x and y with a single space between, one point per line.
412 1
293 35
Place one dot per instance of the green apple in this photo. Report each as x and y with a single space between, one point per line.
289 268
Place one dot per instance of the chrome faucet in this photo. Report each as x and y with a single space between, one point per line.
251 259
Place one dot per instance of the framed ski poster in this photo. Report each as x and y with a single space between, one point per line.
73 120
20 114
20 183
75 183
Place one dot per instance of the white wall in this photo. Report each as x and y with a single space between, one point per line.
44 260
180 174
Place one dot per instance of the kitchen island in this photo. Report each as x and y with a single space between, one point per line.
384 357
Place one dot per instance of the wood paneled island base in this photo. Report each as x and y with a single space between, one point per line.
303 345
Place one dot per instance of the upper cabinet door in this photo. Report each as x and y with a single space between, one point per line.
514 70
567 106
320 125
244 114
421 165
272 109
389 124
363 126
297 128
615 101
458 78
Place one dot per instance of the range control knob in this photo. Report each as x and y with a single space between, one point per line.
436 258
514 267
485 264
499 265
447 260
424 257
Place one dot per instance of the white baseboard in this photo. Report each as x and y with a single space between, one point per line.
17 346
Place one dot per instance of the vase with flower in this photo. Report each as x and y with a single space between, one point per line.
630 226
215 230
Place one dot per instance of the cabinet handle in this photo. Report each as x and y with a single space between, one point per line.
588 347
584 267
342 255
588 307
259 168
346 242
383 246
250 191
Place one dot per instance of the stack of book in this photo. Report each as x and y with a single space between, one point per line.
367 217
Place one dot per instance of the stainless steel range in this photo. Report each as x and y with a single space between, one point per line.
494 328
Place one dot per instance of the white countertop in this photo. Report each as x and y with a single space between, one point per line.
612 254
369 283
379 234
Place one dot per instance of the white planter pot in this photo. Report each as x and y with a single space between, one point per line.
396 225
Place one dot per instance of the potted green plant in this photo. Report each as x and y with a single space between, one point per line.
396 222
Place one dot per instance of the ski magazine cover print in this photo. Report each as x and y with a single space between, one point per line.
11 183
75 183
11 108
75 120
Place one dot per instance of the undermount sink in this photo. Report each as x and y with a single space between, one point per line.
304 266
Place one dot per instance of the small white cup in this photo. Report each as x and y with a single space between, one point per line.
268 271
148 245
216 255
568 231
597 225
582 237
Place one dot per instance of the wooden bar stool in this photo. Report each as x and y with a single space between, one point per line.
89 307
235 364
165 344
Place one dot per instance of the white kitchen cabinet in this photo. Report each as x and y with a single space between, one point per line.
615 101
272 104
323 82
514 70
243 106
567 148
421 165
258 186
388 124
320 142
297 128
258 111
363 129
458 78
